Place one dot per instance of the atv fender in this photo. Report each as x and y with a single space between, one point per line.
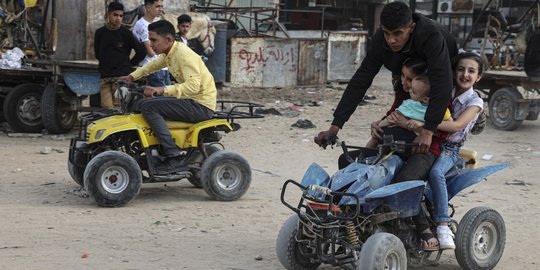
192 136
467 178
401 197
100 129
315 175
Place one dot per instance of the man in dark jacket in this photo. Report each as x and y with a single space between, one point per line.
113 44
406 35
403 35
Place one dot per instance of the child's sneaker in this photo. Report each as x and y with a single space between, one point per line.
446 238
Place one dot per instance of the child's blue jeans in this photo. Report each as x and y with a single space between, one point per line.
447 159
159 79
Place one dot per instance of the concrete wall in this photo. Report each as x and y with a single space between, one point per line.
346 50
274 62
264 62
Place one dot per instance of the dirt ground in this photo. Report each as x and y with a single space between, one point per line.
48 223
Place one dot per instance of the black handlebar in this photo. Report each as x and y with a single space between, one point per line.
387 147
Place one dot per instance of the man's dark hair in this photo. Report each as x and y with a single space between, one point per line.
149 2
184 18
395 15
114 6
163 28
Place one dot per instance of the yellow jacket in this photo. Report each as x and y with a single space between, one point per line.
187 67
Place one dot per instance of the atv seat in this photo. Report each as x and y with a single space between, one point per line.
178 125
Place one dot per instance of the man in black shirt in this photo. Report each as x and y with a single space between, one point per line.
403 35
112 46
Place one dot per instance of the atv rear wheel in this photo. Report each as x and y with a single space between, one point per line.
480 239
226 175
196 161
288 249
383 251
113 178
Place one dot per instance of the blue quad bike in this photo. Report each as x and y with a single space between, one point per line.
357 219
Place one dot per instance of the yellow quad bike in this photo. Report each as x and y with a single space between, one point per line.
116 151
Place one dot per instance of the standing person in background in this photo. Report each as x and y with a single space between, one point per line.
113 44
184 25
154 10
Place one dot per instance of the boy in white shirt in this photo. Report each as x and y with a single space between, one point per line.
154 10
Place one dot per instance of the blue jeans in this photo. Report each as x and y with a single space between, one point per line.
159 79
437 180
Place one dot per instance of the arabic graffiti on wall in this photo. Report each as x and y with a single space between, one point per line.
264 62
265 54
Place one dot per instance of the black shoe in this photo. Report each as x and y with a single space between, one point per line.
172 165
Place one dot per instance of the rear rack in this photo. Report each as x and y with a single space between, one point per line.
237 110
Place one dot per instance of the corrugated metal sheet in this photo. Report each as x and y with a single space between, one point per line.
346 50
264 62
312 62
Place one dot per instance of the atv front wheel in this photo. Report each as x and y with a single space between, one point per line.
226 175
383 251
480 239
196 161
113 178
289 250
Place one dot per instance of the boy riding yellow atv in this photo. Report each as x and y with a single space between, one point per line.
117 151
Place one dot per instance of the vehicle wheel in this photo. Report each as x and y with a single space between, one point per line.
55 113
383 251
22 108
112 178
480 239
77 173
195 163
226 175
288 249
502 108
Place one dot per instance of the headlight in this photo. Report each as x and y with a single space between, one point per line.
99 133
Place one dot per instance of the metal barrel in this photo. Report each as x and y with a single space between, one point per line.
217 61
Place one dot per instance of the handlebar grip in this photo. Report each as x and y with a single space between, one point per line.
328 140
